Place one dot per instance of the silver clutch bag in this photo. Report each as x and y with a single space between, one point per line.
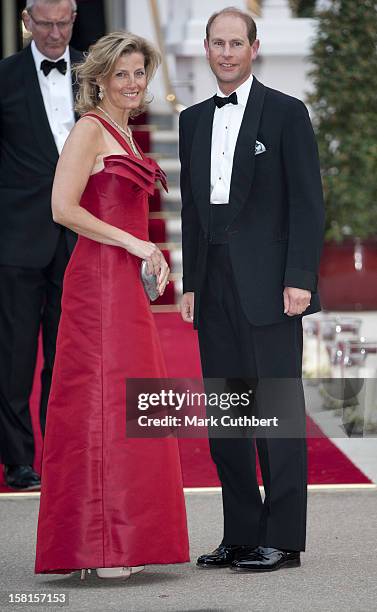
149 281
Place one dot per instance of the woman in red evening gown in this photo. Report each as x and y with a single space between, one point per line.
108 502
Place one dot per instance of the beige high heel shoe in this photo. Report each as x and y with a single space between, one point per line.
123 573
137 569
83 573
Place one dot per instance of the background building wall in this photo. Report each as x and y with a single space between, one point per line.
283 59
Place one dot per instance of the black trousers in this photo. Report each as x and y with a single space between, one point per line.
230 347
30 300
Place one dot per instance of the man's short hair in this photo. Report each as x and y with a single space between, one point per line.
31 3
235 12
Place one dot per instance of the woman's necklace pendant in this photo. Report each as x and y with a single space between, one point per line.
127 133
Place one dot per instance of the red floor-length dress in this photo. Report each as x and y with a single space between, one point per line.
108 500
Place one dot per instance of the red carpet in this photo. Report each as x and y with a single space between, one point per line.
326 465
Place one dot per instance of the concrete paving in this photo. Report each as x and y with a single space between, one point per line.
338 572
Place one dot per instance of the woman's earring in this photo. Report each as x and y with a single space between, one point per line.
101 93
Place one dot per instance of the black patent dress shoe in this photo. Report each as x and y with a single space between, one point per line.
263 559
21 478
223 556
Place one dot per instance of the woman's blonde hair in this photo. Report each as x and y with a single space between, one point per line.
100 61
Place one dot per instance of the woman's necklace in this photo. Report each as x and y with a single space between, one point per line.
127 133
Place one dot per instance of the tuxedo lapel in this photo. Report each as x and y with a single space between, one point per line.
38 117
201 161
244 154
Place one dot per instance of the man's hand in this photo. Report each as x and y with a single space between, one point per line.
187 307
296 300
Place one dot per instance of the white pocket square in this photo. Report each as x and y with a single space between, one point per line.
259 147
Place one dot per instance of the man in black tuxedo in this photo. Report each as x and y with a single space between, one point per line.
36 115
252 227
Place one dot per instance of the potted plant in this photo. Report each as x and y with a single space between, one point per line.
303 8
344 105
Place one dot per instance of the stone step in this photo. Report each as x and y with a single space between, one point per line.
175 251
169 246
165 214
172 206
165 121
171 202
173 229
174 195
165 142
172 167
176 260
160 136
164 148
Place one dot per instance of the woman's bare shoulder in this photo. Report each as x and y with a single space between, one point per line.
88 125
86 135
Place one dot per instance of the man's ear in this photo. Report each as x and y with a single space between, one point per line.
206 46
26 20
255 48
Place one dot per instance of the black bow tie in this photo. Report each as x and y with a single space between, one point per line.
47 66
220 102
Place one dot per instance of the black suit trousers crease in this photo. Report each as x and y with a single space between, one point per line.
231 347
30 301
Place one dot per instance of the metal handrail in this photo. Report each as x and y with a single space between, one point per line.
171 95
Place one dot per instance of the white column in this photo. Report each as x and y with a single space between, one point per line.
139 20
276 9
178 15
8 26
203 9
115 14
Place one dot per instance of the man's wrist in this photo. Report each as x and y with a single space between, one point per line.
300 279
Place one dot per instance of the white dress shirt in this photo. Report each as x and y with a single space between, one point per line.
57 96
226 125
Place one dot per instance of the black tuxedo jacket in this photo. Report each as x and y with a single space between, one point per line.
276 231
28 157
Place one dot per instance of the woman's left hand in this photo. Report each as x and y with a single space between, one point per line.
163 276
